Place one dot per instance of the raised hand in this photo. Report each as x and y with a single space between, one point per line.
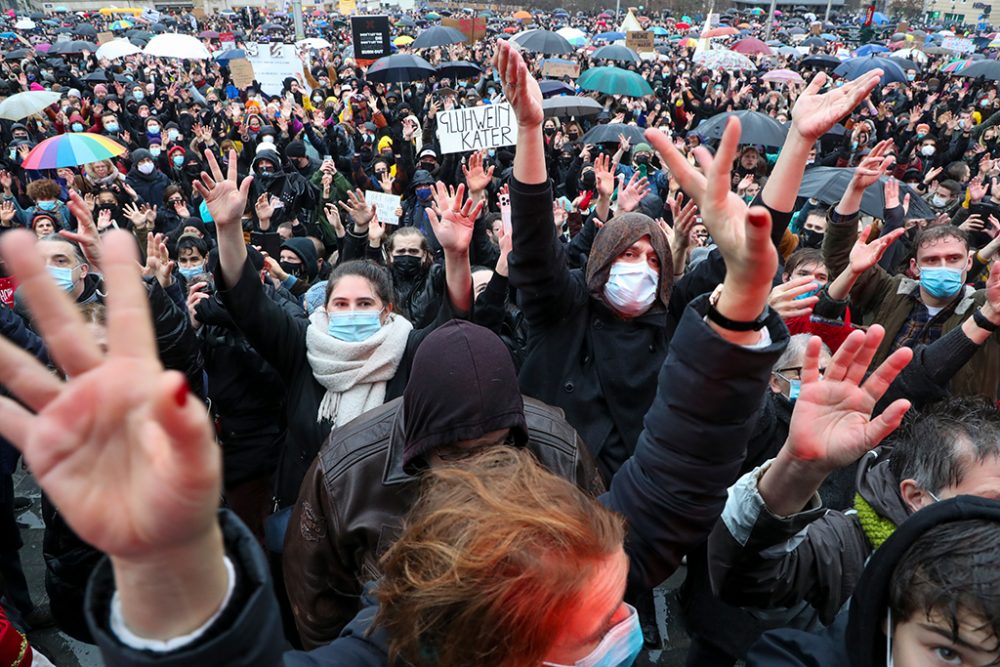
873 166
376 232
7 213
158 263
122 433
86 234
784 297
866 255
333 217
263 207
890 193
453 218
815 114
630 194
477 177
225 197
605 178
519 87
361 213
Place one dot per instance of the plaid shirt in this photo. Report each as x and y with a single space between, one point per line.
920 327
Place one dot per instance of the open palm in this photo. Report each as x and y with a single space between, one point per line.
453 217
814 114
224 195
128 459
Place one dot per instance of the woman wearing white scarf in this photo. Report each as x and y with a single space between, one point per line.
355 353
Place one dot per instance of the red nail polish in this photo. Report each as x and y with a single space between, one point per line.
181 395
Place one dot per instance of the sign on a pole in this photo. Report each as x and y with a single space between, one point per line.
273 63
476 128
371 37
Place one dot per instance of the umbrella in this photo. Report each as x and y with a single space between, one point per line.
723 59
869 49
552 87
120 25
406 22
438 36
459 69
71 150
24 104
856 67
614 81
828 185
828 37
313 43
916 55
522 15
608 134
43 47
543 41
73 47
272 26
616 52
97 76
175 45
722 31
25 24
609 36
814 41
790 52
403 40
755 128
987 69
783 76
117 48
85 30
820 61
752 46
230 54
432 16
574 36
158 27
208 34
17 54
572 105
400 68
658 31
955 66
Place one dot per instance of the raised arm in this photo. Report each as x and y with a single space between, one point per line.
226 199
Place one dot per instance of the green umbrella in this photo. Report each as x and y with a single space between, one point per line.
432 16
614 81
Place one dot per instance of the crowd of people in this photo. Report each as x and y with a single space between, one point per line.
641 336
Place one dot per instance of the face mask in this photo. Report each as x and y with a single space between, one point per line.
190 272
573 136
642 159
291 269
619 648
111 127
984 103
178 160
265 171
961 123
810 238
941 282
155 152
631 287
139 95
355 326
77 127
153 129
428 166
46 205
549 131
927 150
423 193
173 134
937 201
406 267
146 168
62 276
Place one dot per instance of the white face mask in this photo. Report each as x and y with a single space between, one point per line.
927 150
938 201
631 287
146 168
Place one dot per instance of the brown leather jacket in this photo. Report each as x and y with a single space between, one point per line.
353 500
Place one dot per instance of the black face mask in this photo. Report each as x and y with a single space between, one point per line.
810 238
291 269
642 159
428 166
573 136
588 180
407 267
549 131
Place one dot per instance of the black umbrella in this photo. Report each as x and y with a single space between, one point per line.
97 76
85 30
814 41
459 69
121 78
828 184
272 26
64 31
820 61
608 134
438 36
552 87
35 16
617 53
406 22
755 128
170 20
572 105
400 68
158 27
987 69
543 41
17 54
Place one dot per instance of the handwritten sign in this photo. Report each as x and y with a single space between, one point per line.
556 70
347 7
242 72
385 206
639 40
958 44
273 63
474 29
476 128
104 37
7 287
371 37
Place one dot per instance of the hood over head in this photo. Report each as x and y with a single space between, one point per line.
617 235
306 251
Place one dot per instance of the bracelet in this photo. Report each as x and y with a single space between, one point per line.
982 322
733 325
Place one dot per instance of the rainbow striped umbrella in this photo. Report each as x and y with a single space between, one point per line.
956 66
70 150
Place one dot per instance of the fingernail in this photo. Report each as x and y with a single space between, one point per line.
181 395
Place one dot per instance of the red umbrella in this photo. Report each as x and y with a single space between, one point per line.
752 46
682 26
723 31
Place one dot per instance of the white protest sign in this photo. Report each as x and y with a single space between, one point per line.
385 206
958 44
273 63
476 128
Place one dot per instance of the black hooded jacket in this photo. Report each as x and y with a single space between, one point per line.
297 194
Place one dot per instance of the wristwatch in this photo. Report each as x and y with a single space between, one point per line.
733 325
982 322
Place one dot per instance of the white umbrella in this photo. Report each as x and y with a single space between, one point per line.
25 24
916 55
571 33
173 45
117 48
24 104
313 43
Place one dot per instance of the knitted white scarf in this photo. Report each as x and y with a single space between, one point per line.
354 374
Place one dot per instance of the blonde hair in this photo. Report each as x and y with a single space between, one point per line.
494 554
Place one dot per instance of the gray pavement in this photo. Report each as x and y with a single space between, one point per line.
64 651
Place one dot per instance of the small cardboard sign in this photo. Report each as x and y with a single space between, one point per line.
104 37
639 40
385 206
557 70
242 72
476 128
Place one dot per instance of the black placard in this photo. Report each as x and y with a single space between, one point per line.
371 36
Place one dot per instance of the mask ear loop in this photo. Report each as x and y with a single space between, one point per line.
888 640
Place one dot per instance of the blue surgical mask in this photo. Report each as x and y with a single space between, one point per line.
77 127
354 326
155 152
46 205
812 292
173 134
619 648
190 272
178 160
153 129
423 193
63 277
139 95
940 282
111 127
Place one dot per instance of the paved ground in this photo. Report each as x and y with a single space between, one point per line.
64 651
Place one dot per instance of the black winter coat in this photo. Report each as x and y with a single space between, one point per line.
149 187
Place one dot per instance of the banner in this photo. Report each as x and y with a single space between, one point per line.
273 63
385 206
639 40
958 44
370 35
556 70
476 128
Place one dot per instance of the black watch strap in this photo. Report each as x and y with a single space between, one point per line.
982 322
732 325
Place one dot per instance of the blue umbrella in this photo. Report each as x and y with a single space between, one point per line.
8 35
550 87
658 31
609 36
230 54
869 49
880 18
856 67
828 37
